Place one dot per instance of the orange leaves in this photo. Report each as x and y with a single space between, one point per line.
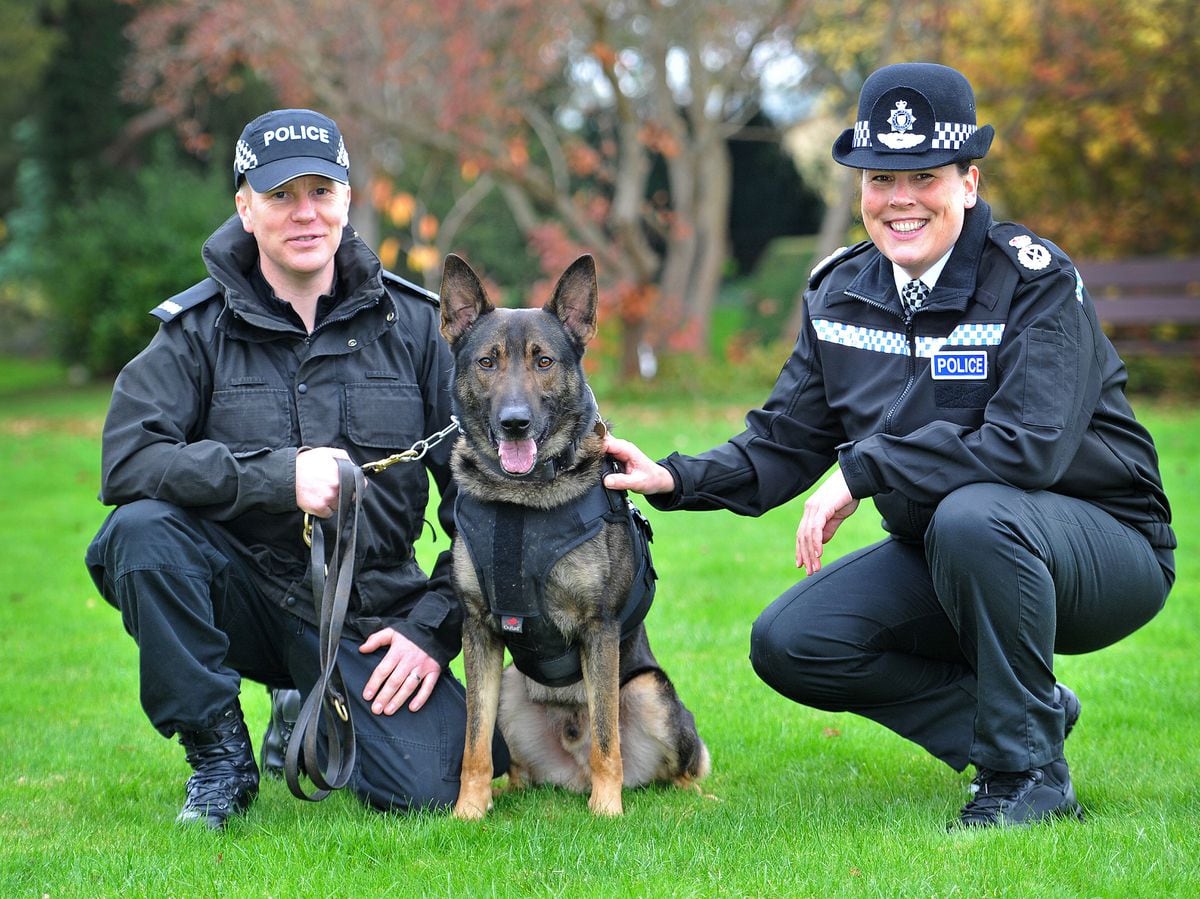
405 211
423 258
401 209
659 139
518 153
389 252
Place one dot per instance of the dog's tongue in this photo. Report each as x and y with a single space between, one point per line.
518 456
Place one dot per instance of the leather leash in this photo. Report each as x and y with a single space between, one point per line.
327 701
328 698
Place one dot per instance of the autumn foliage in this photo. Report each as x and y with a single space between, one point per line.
567 109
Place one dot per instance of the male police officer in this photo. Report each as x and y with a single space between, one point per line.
297 351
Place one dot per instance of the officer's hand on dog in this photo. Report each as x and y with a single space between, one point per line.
317 480
405 671
639 472
824 512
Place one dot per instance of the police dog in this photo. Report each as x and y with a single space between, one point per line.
592 708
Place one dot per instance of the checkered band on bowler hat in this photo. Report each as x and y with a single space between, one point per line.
286 143
913 115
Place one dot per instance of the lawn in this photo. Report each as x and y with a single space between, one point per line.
800 802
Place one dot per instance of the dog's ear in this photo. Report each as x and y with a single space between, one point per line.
575 298
463 298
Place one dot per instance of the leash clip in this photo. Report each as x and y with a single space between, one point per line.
415 452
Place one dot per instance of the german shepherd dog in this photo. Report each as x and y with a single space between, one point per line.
595 709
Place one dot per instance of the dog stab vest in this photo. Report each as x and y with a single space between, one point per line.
515 547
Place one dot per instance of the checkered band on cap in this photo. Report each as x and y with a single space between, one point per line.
244 158
946 135
862 134
951 135
343 158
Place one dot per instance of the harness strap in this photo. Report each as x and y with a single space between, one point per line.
326 703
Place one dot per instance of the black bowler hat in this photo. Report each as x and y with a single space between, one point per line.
286 143
913 115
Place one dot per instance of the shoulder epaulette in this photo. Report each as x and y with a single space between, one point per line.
1029 254
206 290
410 286
834 259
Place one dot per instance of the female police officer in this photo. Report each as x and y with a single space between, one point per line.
954 369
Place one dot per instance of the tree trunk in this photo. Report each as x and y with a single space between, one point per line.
834 226
712 224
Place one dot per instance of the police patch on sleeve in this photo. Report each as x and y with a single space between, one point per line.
1030 255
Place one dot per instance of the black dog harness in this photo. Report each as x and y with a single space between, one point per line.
515 547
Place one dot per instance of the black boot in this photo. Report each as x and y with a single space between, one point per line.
285 709
226 778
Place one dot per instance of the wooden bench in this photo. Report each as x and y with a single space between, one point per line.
1149 306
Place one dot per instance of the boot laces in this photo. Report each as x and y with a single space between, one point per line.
993 791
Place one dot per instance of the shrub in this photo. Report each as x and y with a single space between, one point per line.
118 254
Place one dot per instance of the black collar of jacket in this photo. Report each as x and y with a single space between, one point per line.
956 285
231 256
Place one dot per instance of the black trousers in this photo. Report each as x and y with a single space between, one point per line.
951 644
202 623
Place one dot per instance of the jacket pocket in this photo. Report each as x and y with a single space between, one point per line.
249 419
1046 388
384 414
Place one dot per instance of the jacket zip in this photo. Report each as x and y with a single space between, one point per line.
910 337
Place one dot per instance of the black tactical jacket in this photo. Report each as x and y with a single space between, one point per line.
211 414
1028 392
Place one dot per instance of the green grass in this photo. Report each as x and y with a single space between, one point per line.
800 802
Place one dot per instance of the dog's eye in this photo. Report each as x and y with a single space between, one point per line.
486 362
544 362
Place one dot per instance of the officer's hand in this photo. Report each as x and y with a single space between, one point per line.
317 480
405 671
638 472
824 511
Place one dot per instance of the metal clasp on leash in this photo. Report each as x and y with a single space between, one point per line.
414 453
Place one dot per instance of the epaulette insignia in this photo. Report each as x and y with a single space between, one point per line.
837 257
410 286
1028 253
168 309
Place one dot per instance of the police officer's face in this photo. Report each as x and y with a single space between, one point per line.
914 218
298 225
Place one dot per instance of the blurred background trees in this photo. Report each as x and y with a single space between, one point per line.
683 142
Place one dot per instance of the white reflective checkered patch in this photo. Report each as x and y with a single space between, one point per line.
877 340
874 339
244 158
951 135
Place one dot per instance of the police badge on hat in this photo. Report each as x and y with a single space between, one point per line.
902 121
913 116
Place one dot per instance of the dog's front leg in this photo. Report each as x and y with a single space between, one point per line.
483 658
601 678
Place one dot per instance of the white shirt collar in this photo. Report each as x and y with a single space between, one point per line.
930 277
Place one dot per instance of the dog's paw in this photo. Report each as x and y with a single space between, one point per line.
606 806
469 809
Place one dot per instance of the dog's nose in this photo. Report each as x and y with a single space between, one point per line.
515 420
